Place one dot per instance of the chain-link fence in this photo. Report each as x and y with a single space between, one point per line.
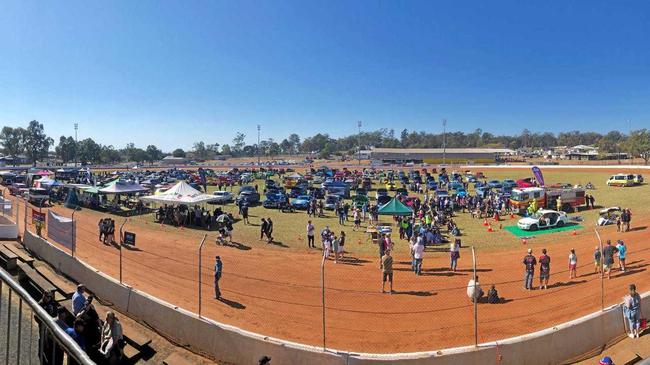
339 303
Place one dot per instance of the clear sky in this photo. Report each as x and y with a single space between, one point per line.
174 72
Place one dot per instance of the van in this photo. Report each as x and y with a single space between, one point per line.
621 180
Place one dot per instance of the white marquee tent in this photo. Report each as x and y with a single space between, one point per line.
181 193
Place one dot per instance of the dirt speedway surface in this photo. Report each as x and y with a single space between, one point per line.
275 290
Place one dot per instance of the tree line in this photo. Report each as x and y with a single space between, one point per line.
36 145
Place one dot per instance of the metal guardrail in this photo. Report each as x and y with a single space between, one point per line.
53 342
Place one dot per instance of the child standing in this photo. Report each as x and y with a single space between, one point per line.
597 258
573 263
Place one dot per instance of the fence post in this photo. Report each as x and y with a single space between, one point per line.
602 271
74 235
121 243
475 299
322 284
200 281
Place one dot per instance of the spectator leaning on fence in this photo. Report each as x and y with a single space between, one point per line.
632 310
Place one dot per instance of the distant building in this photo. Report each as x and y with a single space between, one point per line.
437 155
171 160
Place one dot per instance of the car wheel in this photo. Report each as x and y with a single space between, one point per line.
560 224
534 227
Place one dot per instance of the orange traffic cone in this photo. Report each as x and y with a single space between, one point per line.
490 228
512 215
523 241
485 222
500 226
574 233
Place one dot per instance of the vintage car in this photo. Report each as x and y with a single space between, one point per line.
301 202
331 200
274 200
543 219
223 197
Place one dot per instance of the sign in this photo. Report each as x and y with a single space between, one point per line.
129 238
38 216
61 229
538 175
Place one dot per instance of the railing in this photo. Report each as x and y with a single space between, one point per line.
17 337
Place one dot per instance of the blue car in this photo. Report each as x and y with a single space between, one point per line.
301 202
509 184
495 184
455 185
274 200
461 193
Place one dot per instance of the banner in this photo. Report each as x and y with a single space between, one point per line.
38 216
60 229
538 175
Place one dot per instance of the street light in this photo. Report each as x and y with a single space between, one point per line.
444 141
258 144
359 141
76 145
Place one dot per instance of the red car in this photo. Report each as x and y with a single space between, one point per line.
409 201
525 183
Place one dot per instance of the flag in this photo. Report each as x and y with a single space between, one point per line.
538 175
60 229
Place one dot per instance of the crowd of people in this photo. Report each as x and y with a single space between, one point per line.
102 340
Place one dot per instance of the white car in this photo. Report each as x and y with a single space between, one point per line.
224 197
544 219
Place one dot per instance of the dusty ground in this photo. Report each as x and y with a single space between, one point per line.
275 290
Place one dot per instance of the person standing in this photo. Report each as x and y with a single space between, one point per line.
218 269
529 262
269 230
342 244
244 213
573 264
78 300
387 271
622 251
597 258
263 228
544 270
418 253
335 248
382 244
608 258
454 252
632 310
310 235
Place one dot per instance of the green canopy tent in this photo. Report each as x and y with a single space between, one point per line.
395 207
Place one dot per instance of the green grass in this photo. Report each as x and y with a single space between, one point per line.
519 233
290 227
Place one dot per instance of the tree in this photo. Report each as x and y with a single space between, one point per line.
178 152
200 151
36 143
213 148
294 140
225 150
238 142
638 144
89 151
286 146
66 150
110 155
153 154
12 140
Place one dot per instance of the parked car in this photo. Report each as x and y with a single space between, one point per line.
543 219
383 199
248 196
224 197
494 184
274 200
331 201
301 202
17 188
401 192
508 184
638 178
317 193
380 192
525 183
38 196
359 201
621 180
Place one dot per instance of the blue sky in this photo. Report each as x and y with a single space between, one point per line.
174 72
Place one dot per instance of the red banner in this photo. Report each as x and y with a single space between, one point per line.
38 216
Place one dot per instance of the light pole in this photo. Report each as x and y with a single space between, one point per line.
76 145
258 144
444 141
359 142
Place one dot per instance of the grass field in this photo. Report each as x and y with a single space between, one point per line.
290 227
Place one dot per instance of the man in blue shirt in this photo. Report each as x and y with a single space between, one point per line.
76 333
78 300
218 267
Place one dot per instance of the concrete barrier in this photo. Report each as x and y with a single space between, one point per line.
231 344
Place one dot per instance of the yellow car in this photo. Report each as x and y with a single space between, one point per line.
621 180
390 186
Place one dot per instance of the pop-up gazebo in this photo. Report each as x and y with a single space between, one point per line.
395 207
122 187
181 193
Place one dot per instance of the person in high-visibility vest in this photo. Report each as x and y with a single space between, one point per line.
559 203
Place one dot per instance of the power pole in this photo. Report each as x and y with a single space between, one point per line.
258 144
76 144
359 142
444 141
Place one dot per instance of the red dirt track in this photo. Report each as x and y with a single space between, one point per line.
276 291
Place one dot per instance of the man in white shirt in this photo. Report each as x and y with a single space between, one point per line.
418 252
474 291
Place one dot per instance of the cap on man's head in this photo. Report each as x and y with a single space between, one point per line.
218 257
530 250
632 287
606 361
264 360
81 286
